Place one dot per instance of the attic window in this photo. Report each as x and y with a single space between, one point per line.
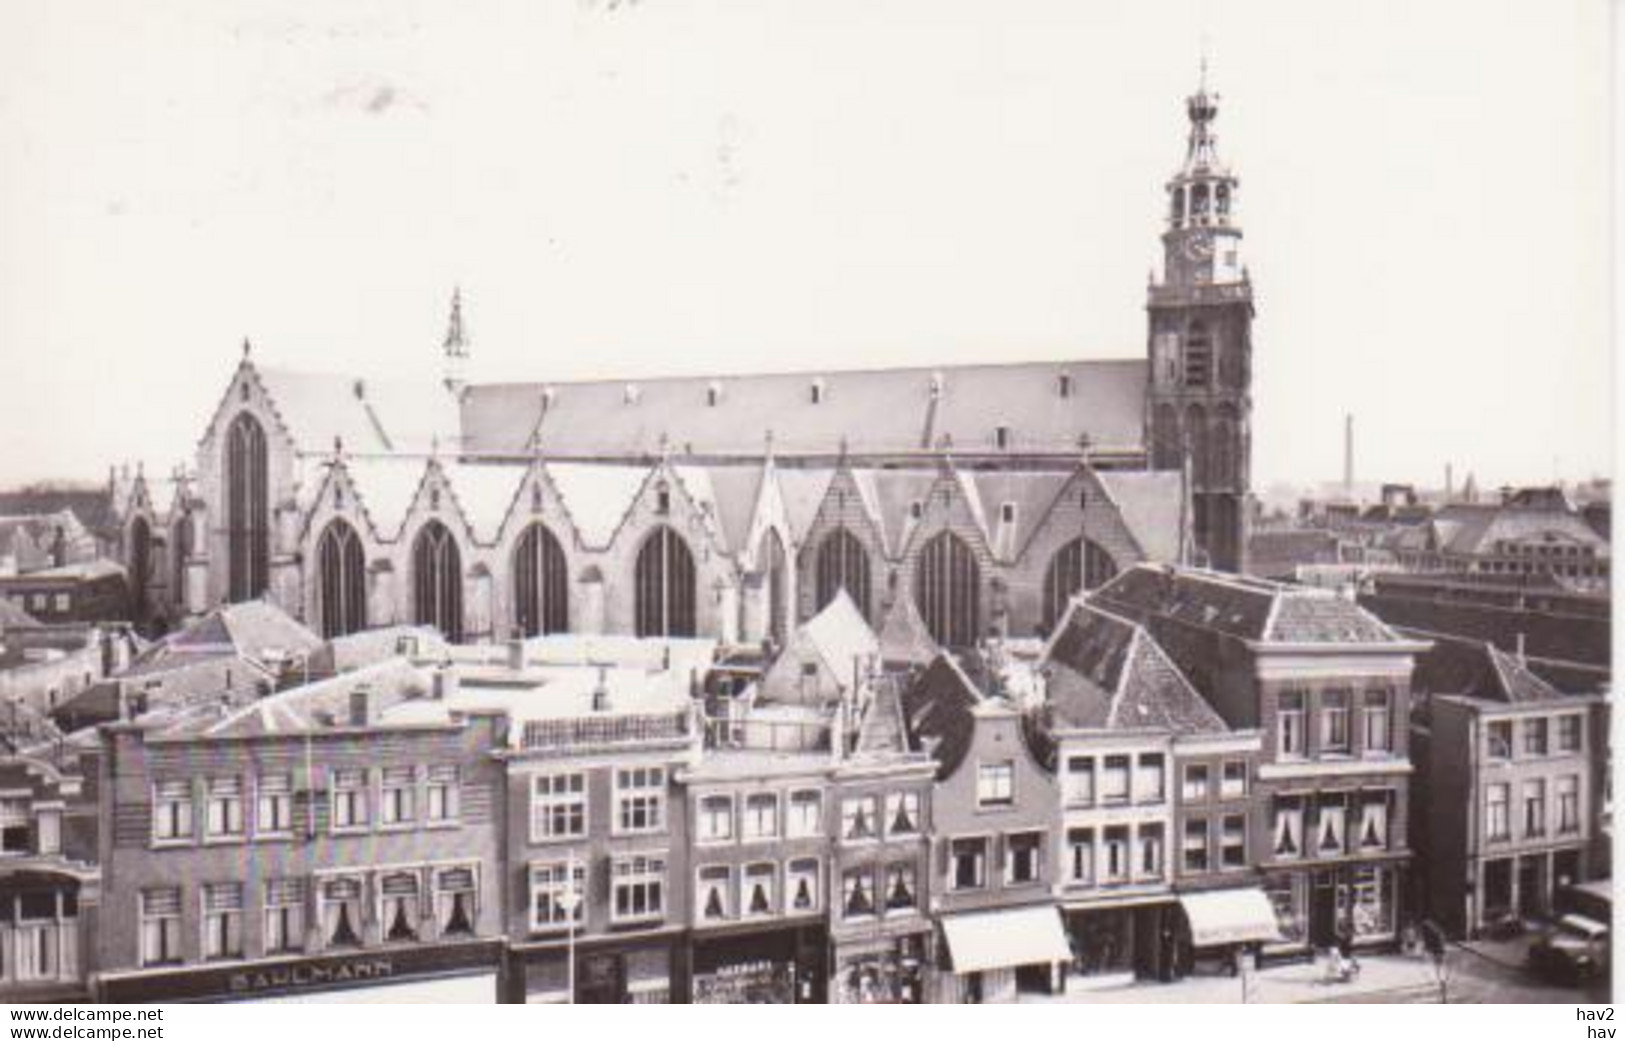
1007 513
916 510
662 499
815 392
1001 437
1063 385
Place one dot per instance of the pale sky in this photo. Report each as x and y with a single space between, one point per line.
634 188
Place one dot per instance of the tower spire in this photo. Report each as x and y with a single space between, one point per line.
455 347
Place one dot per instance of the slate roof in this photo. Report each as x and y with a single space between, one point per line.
1473 529
1106 673
939 713
1150 503
1249 608
14 617
295 710
870 411
1278 553
254 630
1477 669
368 415
903 636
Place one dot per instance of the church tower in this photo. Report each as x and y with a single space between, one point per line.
1199 395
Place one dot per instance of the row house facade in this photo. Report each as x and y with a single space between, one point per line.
1328 687
338 834
1508 799
1156 806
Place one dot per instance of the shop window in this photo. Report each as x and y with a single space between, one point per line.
172 811
341 913
1233 784
639 889
806 815
902 892
1568 804
1194 846
1081 855
640 800
1152 774
397 797
761 816
716 818
1372 915
1288 828
1498 736
441 794
1078 782
1023 858
969 863
1117 854
398 906
1379 722
996 784
758 896
557 893
349 800
273 814
903 813
858 819
1334 722
1568 733
1497 812
1290 717
1534 737
1194 788
714 901
1534 808
801 883
558 806
1233 842
1114 779
1151 847
284 915
161 926
1286 895
858 892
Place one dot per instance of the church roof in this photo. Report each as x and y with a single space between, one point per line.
367 415
888 411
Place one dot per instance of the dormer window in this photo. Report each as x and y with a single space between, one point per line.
1001 437
713 395
815 392
1063 385
1007 513
916 510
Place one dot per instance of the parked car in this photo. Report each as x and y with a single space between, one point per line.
1574 949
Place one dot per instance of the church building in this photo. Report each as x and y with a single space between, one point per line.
959 503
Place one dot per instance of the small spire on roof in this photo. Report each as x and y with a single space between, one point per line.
338 446
456 344
246 347
769 440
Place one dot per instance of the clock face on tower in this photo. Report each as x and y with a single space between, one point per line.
1199 247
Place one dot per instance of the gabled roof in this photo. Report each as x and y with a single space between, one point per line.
296 710
254 630
1456 665
1249 608
840 635
939 713
1476 529
882 411
597 495
737 491
367 415
1106 673
1151 504
903 635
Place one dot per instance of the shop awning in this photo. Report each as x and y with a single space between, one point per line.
1005 939
1230 916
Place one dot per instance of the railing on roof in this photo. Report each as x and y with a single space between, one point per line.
768 735
606 730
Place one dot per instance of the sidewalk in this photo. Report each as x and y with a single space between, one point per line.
1382 977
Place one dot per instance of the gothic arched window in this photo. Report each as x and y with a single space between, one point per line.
842 564
948 591
1079 565
664 586
778 598
342 581
541 587
437 581
180 541
140 563
248 520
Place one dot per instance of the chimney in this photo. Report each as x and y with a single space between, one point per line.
444 683
1449 483
361 706
1348 455
1522 658
600 692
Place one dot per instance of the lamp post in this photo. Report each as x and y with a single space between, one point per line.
571 902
